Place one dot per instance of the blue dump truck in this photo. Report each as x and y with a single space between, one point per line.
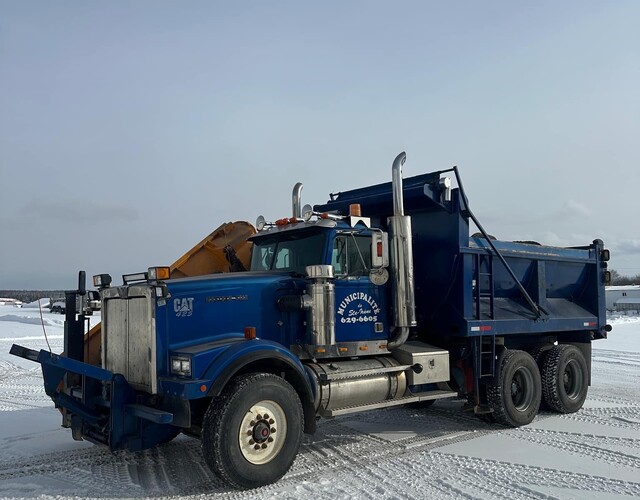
377 298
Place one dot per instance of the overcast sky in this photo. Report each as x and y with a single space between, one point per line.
130 130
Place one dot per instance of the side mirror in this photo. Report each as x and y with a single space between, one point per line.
379 250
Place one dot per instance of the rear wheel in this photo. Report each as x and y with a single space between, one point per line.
251 432
565 379
515 396
539 355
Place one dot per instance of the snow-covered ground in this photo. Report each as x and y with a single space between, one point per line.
399 453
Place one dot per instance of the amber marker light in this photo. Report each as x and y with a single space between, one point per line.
203 388
159 273
250 332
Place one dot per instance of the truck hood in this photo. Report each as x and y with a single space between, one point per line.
207 308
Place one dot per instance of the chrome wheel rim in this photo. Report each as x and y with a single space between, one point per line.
262 432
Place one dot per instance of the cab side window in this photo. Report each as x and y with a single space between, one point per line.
339 256
351 255
283 258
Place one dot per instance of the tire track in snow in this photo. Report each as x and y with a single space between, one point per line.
592 447
339 461
623 418
525 478
21 388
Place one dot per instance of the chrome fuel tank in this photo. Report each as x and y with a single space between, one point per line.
341 384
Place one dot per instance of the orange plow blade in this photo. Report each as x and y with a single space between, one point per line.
225 250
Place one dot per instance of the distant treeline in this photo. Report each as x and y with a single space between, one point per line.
619 279
30 295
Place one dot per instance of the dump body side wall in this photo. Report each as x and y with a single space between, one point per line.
462 288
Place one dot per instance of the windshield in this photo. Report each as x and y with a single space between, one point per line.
293 252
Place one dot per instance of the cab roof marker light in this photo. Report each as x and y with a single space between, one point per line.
331 216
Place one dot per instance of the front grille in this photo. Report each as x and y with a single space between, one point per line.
128 335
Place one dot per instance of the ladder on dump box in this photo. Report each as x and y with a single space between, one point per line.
484 295
484 347
484 308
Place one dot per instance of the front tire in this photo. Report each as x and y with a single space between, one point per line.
565 377
251 432
515 397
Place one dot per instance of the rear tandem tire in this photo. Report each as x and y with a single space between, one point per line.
539 355
252 431
565 379
515 397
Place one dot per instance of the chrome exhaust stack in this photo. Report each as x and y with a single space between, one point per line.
404 309
296 201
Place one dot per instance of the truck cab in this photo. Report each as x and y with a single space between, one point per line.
347 260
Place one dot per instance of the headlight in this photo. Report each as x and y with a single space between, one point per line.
181 365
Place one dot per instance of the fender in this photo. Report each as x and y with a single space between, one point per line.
240 355
215 363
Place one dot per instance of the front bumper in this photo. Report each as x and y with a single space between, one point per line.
99 405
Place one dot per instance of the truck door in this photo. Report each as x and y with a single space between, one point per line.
360 305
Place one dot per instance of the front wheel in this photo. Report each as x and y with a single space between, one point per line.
251 432
515 396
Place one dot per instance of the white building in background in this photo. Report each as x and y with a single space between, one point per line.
4 301
623 298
